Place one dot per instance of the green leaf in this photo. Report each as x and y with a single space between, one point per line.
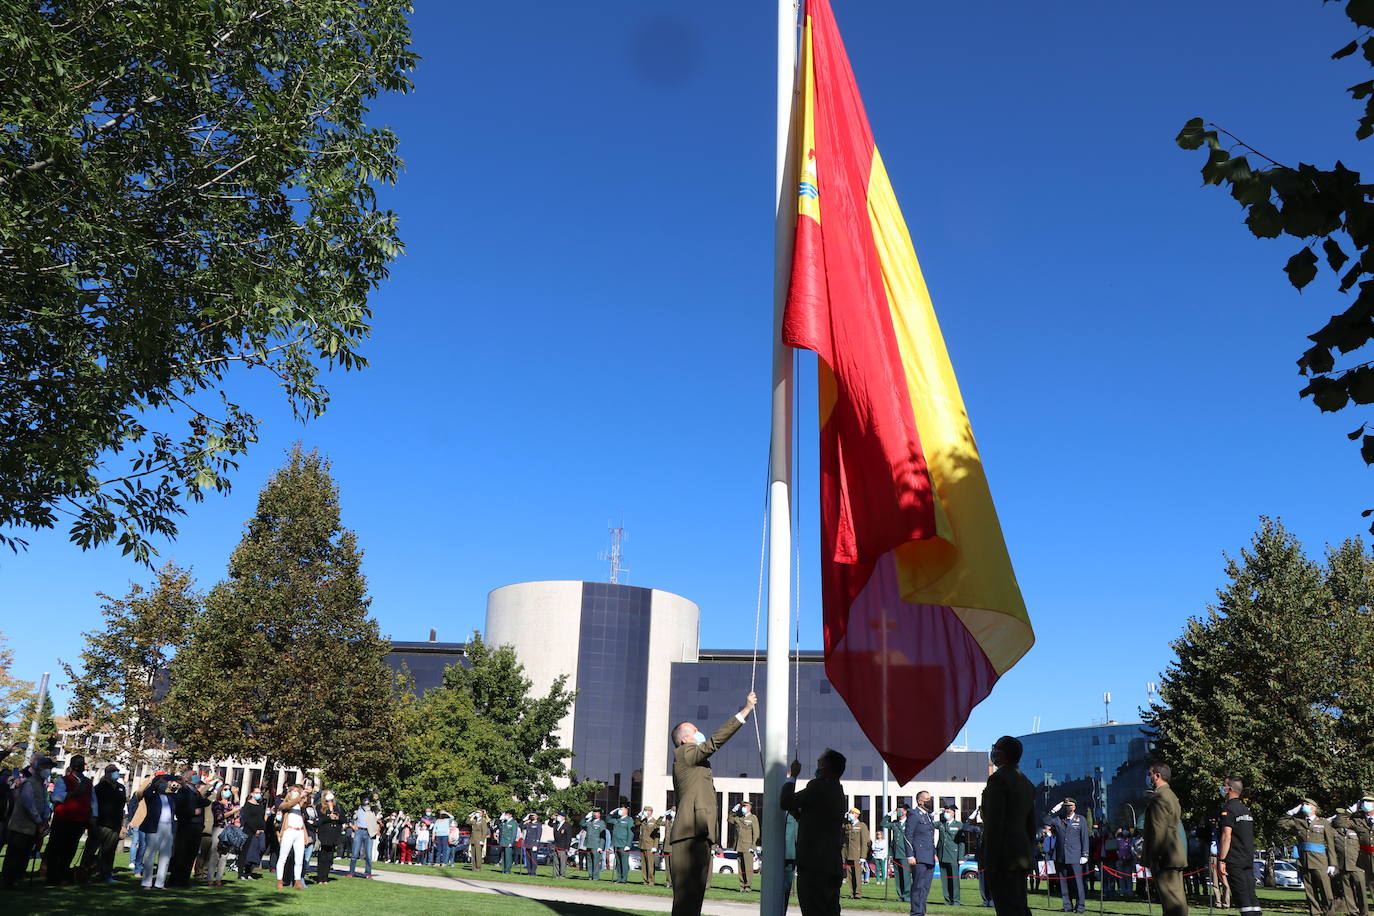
1191 136
1334 255
1301 268
1360 90
1367 449
1346 51
1361 12
1264 220
1352 436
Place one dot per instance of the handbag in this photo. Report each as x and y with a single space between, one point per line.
231 839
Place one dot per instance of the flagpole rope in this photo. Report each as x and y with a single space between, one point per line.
758 608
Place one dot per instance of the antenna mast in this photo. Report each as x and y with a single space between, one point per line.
616 555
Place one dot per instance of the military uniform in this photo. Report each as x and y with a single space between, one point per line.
747 836
949 850
648 842
1362 822
1313 835
1166 851
1240 855
1070 855
896 851
622 828
594 844
856 840
507 832
697 825
477 844
1008 852
1350 876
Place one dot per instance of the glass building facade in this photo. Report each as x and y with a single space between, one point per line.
425 661
711 690
1101 767
612 668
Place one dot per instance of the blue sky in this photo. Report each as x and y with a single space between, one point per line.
581 325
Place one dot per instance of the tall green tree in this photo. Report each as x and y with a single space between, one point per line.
1330 211
15 693
483 740
285 662
48 737
118 689
1265 685
186 191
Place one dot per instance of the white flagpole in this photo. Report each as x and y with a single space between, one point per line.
776 717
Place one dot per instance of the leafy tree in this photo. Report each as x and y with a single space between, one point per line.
285 662
186 190
1331 209
119 688
48 737
482 740
14 695
1266 685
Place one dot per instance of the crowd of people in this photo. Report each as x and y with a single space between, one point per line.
190 826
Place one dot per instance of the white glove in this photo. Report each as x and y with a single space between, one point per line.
1293 811
892 815
1056 807
1083 860
1353 808
1330 869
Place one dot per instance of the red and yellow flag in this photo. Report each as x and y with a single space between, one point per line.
922 609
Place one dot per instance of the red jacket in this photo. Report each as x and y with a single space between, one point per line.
76 807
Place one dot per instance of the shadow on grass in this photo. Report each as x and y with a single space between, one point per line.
128 897
580 909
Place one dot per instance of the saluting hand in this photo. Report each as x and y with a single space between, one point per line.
795 769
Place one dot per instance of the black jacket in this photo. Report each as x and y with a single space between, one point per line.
562 835
819 810
190 808
252 817
111 799
331 828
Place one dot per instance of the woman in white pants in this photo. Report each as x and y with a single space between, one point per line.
292 838
155 821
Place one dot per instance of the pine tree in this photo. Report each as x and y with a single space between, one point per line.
285 662
47 725
1265 685
118 691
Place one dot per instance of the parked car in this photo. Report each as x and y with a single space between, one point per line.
968 867
1285 873
726 862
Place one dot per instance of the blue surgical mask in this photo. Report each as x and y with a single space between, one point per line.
699 738
1367 806
195 779
1223 791
1307 810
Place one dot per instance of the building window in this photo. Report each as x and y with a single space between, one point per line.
823 686
703 684
1111 739
1097 740
703 712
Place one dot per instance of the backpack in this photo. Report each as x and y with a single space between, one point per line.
231 839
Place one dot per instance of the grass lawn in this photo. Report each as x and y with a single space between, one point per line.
343 897
725 887
339 898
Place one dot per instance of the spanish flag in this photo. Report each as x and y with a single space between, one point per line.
921 607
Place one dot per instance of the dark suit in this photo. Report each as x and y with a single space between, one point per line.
696 826
1008 852
190 814
1071 845
920 845
819 810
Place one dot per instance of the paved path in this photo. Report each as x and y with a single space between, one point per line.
609 899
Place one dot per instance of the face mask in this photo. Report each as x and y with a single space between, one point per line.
944 816
1307 810
226 794
257 796
1367 806
116 777
699 738
849 817
195 779
1224 791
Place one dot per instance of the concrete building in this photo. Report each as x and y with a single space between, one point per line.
633 655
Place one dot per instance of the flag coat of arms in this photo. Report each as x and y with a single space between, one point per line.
922 612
